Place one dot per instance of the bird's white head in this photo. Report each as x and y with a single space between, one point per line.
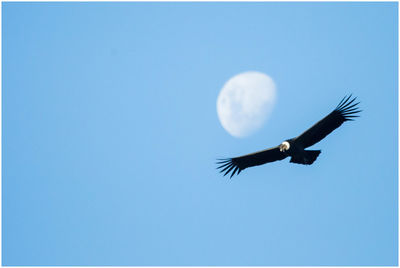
284 146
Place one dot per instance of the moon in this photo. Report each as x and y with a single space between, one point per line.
245 103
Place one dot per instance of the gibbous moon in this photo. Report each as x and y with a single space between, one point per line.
245 102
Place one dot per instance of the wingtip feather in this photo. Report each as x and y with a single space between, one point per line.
347 108
227 166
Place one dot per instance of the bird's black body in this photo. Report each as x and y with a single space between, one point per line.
299 155
295 147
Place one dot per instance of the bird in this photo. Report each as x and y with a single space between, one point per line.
346 110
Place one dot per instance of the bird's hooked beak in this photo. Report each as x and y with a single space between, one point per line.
284 146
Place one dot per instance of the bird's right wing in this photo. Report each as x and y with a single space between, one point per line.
237 164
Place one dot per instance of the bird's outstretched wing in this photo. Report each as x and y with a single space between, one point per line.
345 111
237 164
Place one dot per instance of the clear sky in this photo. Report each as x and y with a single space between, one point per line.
110 134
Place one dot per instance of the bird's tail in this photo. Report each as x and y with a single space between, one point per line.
306 158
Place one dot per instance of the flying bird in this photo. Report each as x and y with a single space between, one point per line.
346 110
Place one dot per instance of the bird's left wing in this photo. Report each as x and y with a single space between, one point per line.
237 164
346 110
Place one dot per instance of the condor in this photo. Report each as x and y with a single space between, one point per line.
295 148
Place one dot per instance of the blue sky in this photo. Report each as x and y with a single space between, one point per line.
110 134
